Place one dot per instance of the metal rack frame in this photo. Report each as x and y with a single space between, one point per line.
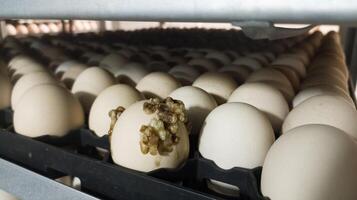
278 11
26 184
342 12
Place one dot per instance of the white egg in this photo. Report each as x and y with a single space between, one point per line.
264 97
321 90
269 74
222 58
239 72
107 100
291 75
157 84
10 29
63 67
5 91
293 63
219 85
47 110
301 55
327 70
71 74
126 142
28 81
259 57
198 104
113 62
203 64
235 135
89 84
324 109
27 69
158 66
7 196
131 73
311 162
324 79
187 70
252 63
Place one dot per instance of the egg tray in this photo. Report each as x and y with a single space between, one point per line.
100 177
6 118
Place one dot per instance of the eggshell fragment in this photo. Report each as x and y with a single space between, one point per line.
198 104
125 142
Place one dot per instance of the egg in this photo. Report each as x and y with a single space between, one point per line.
299 54
291 75
33 28
7 196
274 78
311 162
5 91
252 63
158 66
157 84
239 72
198 104
269 74
235 135
107 100
71 74
44 28
131 73
113 62
89 84
259 57
264 97
185 70
22 29
293 63
27 69
324 79
203 64
137 140
219 57
321 90
47 109
324 109
19 62
328 70
10 29
219 85
64 66
28 81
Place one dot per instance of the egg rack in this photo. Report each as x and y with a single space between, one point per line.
75 155
283 11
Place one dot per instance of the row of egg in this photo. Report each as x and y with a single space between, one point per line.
269 80
52 27
314 159
33 28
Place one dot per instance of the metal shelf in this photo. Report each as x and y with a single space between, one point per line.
278 11
27 185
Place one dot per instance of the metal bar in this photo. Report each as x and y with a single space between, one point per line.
279 11
27 185
3 31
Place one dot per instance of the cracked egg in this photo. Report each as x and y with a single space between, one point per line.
150 134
